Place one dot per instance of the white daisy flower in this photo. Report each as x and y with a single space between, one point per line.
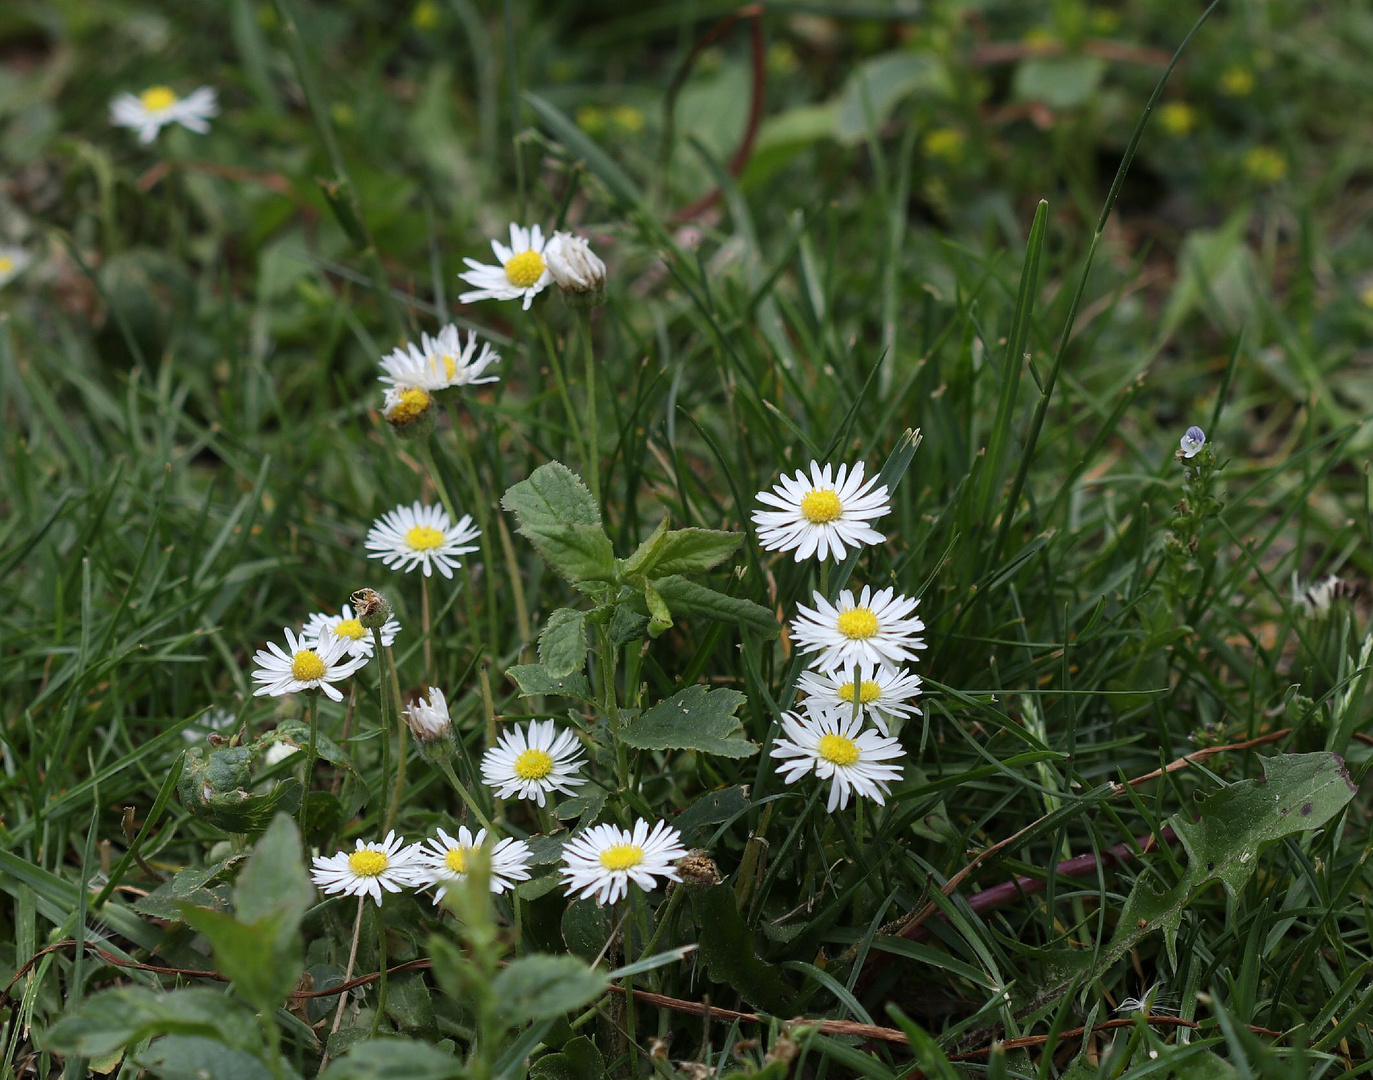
370 868
279 752
530 762
345 627
522 271
155 108
835 748
429 720
884 694
419 535
440 362
603 860
875 629
824 514
573 265
445 860
13 262
310 664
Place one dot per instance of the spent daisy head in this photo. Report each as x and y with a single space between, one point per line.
156 107
880 694
348 628
531 761
445 860
521 271
13 262
307 663
577 269
835 747
410 411
421 536
876 629
823 514
441 362
432 727
603 860
370 869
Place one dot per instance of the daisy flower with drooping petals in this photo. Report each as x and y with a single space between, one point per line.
428 720
370 868
824 514
602 861
308 664
522 271
835 748
423 536
441 361
13 262
883 694
345 627
155 108
530 762
445 860
878 629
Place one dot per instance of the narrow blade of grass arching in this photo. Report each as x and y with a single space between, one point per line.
893 469
1012 500
154 815
596 159
652 963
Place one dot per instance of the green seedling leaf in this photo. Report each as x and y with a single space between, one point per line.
697 718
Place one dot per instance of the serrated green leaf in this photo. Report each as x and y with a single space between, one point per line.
263 958
727 953
688 598
552 495
577 1060
697 718
645 556
562 644
541 987
575 552
535 680
659 616
691 551
711 808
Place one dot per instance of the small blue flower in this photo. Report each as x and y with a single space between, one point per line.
1192 442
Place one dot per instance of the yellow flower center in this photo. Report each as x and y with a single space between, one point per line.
411 405
524 269
367 863
157 98
6 264
533 764
838 750
450 365
306 666
857 623
456 860
423 537
622 856
350 628
820 506
867 693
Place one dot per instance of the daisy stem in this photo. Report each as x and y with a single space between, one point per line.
593 442
424 626
384 692
381 983
479 505
447 769
311 707
674 901
402 746
347 976
551 349
607 654
442 488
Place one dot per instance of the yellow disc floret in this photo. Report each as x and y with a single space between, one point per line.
456 860
157 98
6 264
367 863
837 750
622 856
306 666
820 506
423 537
524 269
533 764
867 693
857 623
349 628
409 406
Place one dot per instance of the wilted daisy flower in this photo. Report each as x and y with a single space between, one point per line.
155 108
445 860
522 271
346 627
602 861
875 629
823 514
311 664
419 535
1192 441
530 762
429 720
573 265
13 262
835 748
441 361
883 694
370 868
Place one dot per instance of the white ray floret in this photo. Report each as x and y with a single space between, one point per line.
823 514
429 720
156 107
421 536
307 663
884 694
441 361
445 860
531 761
876 629
13 262
521 272
603 860
836 748
345 627
370 869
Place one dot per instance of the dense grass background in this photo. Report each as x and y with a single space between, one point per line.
192 453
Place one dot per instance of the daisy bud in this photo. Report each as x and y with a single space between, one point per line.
698 869
410 411
576 269
372 608
431 725
1191 442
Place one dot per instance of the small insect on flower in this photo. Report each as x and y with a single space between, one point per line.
835 748
445 860
307 664
348 628
1192 441
877 629
442 361
156 107
371 868
522 272
573 265
883 694
602 861
13 262
530 762
421 536
824 514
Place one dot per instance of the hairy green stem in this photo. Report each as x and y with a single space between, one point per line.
446 768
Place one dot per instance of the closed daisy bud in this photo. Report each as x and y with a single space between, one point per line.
431 726
576 268
410 411
373 609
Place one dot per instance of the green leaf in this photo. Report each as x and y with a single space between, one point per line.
697 718
727 953
552 495
1060 82
688 598
586 927
541 987
577 1060
274 881
263 958
645 556
875 87
297 733
114 1019
394 1059
691 551
579 145
562 645
927 1053
627 625
711 808
214 787
659 616
535 680
193 1057
575 552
